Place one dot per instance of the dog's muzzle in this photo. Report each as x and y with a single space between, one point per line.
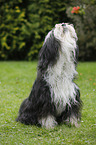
63 24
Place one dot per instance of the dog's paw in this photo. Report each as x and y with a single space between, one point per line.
72 121
48 122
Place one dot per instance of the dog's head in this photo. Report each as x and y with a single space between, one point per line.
65 32
61 39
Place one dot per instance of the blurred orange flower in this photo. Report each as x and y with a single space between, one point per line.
80 74
75 10
90 79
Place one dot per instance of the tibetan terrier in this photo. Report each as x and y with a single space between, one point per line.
54 97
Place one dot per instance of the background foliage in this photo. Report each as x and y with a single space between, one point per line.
85 23
25 23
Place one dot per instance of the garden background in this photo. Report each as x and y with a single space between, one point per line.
23 27
25 23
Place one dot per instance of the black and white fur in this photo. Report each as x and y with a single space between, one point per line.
54 97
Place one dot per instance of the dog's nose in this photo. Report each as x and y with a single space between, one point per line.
63 24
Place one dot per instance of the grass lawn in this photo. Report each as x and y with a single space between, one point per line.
16 79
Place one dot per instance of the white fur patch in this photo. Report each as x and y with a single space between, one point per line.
74 121
60 81
48 122
60 76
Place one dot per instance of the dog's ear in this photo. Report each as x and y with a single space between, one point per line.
49 53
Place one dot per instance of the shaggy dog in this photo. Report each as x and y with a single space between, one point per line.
54 97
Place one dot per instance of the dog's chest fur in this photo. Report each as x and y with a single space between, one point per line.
59 77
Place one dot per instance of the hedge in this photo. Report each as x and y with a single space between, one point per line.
25 23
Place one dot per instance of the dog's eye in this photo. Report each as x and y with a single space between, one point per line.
65 29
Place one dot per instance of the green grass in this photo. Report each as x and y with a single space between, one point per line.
16 79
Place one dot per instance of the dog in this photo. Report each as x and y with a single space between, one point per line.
55 98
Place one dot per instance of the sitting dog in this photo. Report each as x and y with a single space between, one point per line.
54 97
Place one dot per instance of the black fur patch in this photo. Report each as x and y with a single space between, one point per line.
37 105
49 53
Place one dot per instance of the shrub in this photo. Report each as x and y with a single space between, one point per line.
42 15
84 21
24 25
12 19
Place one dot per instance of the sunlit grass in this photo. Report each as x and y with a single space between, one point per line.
16 79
